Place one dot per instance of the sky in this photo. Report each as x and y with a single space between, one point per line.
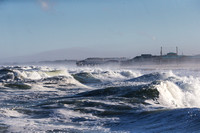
105 28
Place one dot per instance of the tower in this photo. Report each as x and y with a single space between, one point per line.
177 50
161 51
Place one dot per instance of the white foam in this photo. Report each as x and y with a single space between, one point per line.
39 73
10 113
130 73
185 95
108 74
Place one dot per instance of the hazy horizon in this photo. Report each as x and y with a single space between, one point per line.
65 54
62 54
76 29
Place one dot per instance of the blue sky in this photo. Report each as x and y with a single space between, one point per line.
110 27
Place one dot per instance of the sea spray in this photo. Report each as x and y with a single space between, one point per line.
45 99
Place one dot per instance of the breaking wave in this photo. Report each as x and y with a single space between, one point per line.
43 99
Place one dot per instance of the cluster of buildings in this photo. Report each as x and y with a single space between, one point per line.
169 58
100 61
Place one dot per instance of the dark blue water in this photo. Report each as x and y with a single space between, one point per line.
43 99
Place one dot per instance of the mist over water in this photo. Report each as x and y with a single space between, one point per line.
145 76
99 99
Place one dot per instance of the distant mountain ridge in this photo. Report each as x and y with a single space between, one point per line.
76 53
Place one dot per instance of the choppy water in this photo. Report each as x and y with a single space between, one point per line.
44 99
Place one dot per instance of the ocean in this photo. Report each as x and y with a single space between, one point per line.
99 99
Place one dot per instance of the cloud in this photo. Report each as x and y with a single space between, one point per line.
46 4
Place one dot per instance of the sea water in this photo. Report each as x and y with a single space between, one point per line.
99 99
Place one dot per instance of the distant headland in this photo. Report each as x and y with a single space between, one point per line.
169 58
143 59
